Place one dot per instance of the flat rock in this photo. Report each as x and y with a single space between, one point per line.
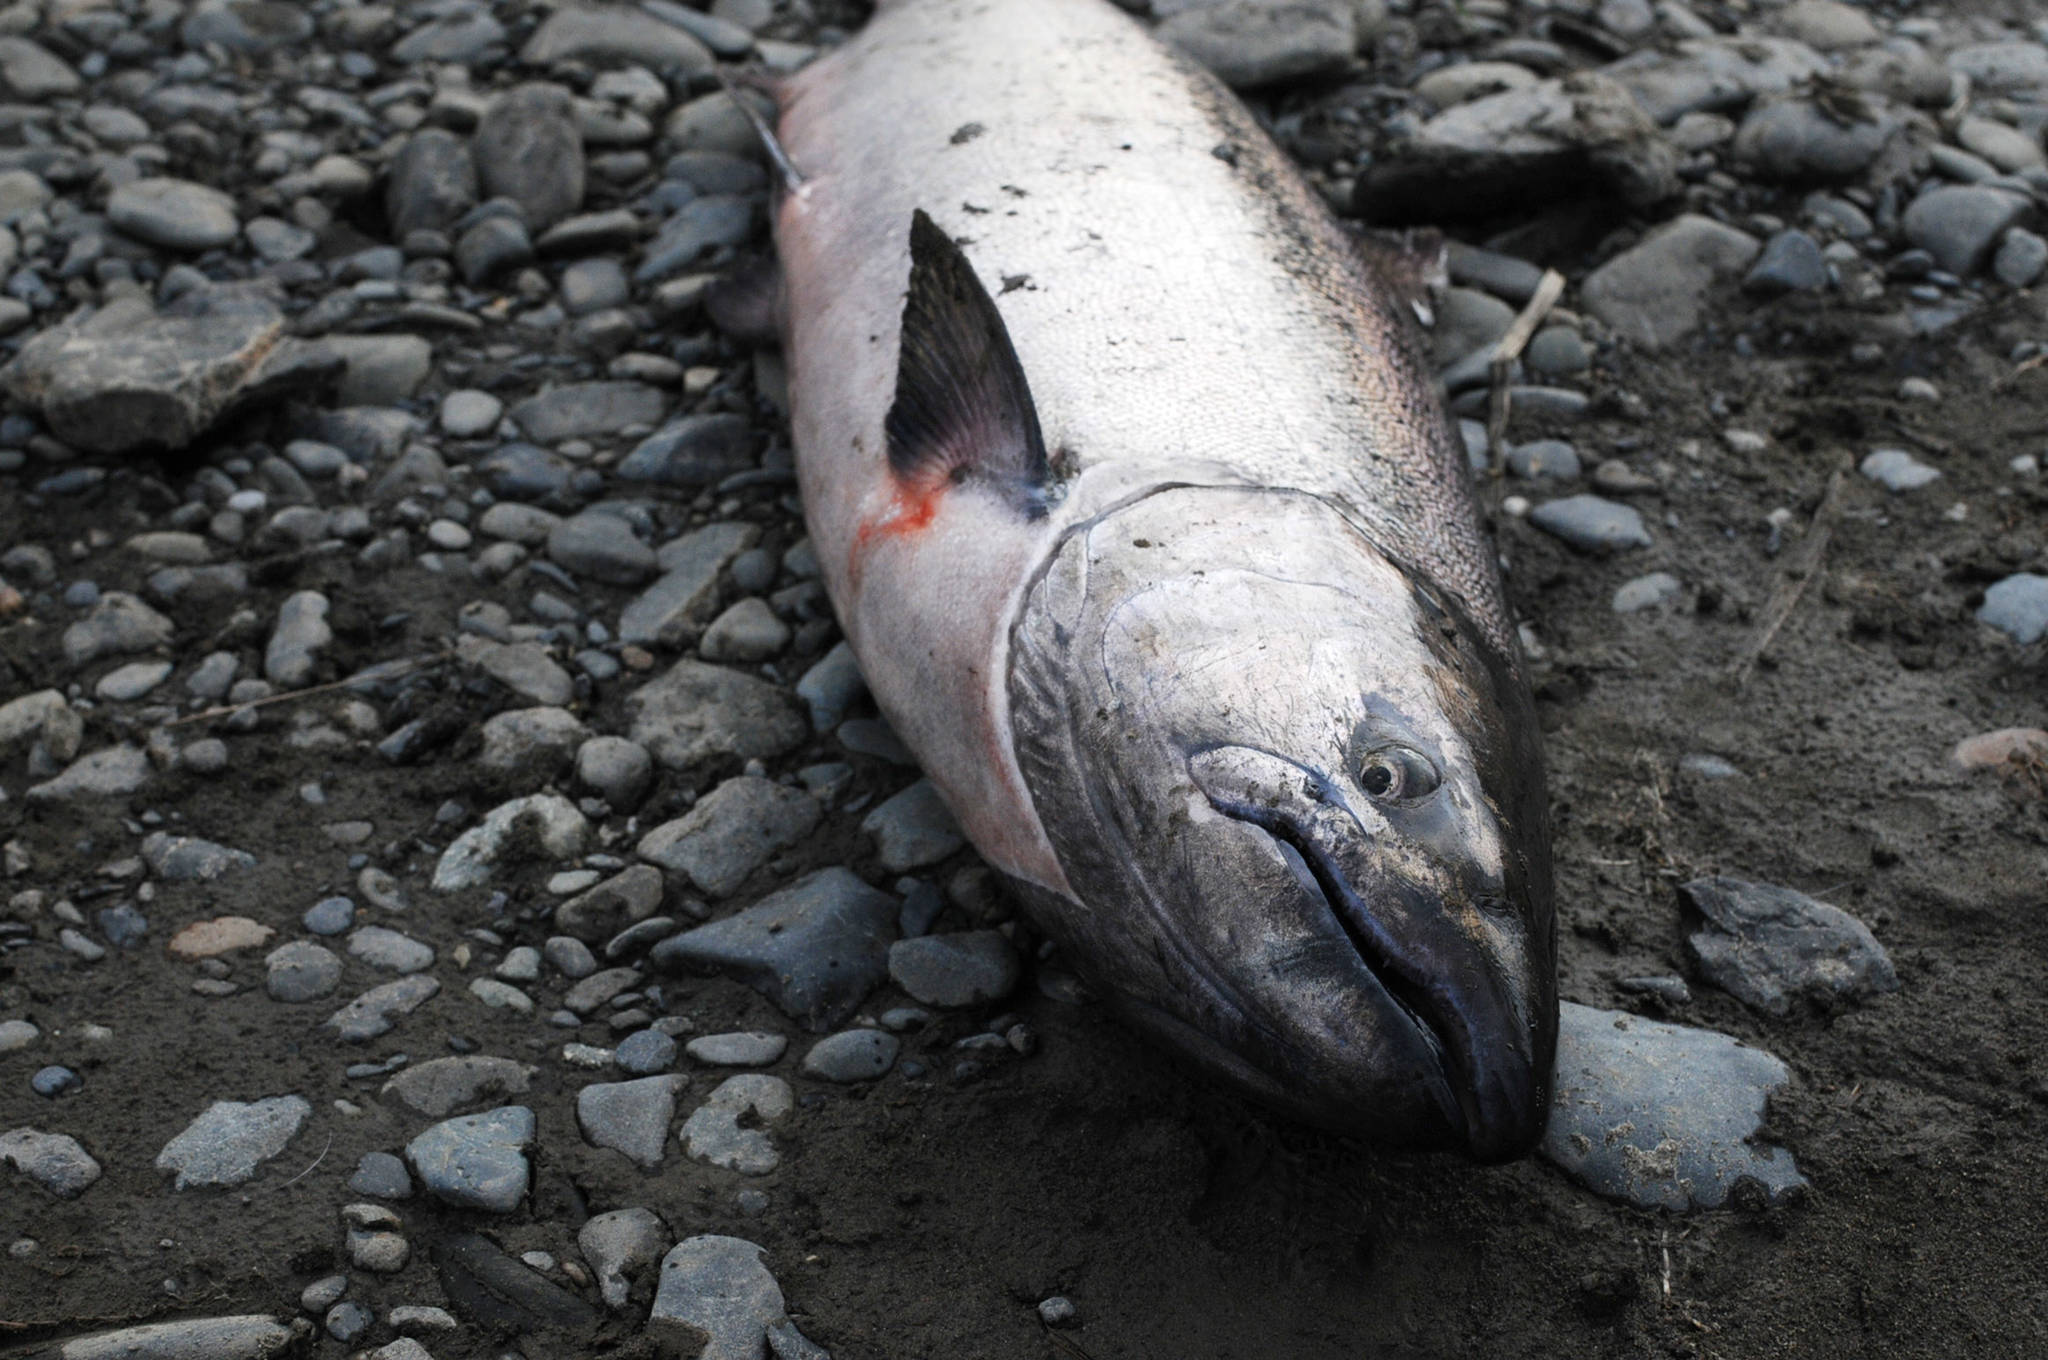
693 450
188 859
602 547
376 1011
815 949
913 829
1797 141
173 213
673 611
697 712
1662 1116
32 73
726 1130
1791 262
588 410
619 1244
1654 292
54 1161
1770 946
432 183
962 969
716 1300
1897 470
546 821
128 378
732 831
525 668
631 1117
248 1337
852 1055
441 1086
476 1161
230 1139
536 744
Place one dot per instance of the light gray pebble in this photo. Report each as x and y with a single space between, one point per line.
390 950
620 1244
715 1131
2022 257
1957 224
1544 458
1647 592
1897 470
380 1176
188 859
748 631
378 1010
300 636
54 1161
631 1117
16 1035
468 413
852 1055
347 1320
501 996
520 964
750 1048
2018 607
715 1295
1791 262
323 1293
616 770
1055 1311
380 889
1591 523
645 1053
329 916
208 755
545 820
476 1161
441 1086
417 1318
569 956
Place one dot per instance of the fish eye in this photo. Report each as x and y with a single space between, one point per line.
1398 773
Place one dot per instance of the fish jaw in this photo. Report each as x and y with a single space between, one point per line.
1204 684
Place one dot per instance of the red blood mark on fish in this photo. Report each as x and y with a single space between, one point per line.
911 511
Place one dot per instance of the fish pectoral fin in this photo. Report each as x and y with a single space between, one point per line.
963 410
746 302
1412 263
786 172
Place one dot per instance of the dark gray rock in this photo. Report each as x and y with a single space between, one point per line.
616 770
815 949
494 1290
250 1337
1791 262
527 149
625 899
2022 257
188 859
491 248
593 285
300 971
31 73
692 451
459 37
1662 1116
381 1176
645 1053
1958 224
476 1161
378 1010
913 829
964 969
696 712
1771 946
1254 43
673 611
247 26
1797 141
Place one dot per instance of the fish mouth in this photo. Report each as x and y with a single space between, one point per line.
1316 872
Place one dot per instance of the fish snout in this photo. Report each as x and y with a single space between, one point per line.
1445 942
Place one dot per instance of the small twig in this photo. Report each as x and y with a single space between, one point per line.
2024 366
1072 1348
309 1170
1792 586
229 710
1510 348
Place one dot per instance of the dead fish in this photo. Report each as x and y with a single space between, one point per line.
1144 520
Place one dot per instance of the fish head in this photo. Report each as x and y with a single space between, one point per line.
1299 799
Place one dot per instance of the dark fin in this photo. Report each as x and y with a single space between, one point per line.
963 409
1413 263
745 302
785 169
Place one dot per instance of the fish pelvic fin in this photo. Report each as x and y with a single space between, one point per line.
790 177
963 411
747 302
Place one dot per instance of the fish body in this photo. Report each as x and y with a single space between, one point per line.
1173 582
